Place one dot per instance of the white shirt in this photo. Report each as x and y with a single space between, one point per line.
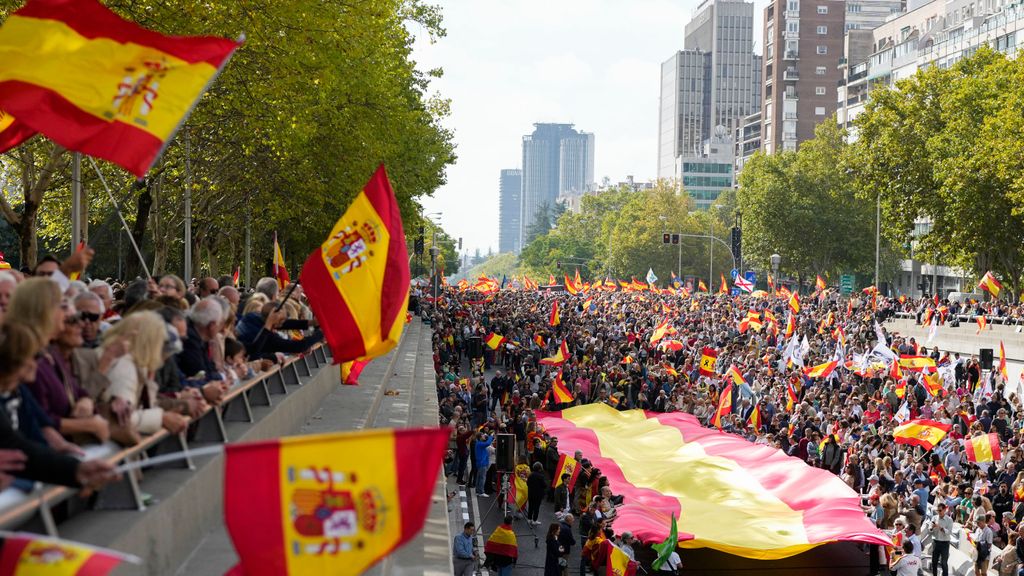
672 564
907 565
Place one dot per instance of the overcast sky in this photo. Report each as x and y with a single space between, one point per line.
511 63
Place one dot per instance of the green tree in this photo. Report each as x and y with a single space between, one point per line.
940 148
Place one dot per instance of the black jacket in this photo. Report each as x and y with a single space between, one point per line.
43 464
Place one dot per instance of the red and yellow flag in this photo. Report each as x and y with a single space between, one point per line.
234 276
328 503
725 287
805 506
708 358
734 375
791 397
571 286
502 542
755 418
932 382
660 331
917 363
351 370
701 286
12 132
724 405
357 282
280 270
982 323
1002 362
790 325
554 319
819 283
821 370
101 85
493 340
618 562
983 448
990 284
566 465
794 303
923 433
560 391
35 555
559 358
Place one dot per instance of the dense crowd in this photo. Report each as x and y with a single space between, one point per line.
87 362
843 423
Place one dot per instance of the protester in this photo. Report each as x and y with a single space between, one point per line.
554 555
502 548
464 556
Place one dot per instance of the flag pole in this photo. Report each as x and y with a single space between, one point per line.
172 457
113 202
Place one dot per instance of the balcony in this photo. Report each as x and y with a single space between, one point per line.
789 115
790 55
790 35
790 96
792 15
791 74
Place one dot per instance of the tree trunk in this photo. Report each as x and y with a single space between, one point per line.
133 265
28 242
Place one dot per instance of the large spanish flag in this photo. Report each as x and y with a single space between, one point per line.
98 84
12 132
983 448
921 432
729 494
329 503
357 282
35 555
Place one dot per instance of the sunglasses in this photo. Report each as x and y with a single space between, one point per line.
89 316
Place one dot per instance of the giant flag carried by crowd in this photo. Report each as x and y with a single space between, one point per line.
329 503
98 84
357 282
647 459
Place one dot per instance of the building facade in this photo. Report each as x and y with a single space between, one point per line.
545 152
510 194
707 89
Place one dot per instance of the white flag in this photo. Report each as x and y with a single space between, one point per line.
651 278
880 334
882 351
933 329
903 414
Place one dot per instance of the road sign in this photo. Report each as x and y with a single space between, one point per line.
750 276
734 273
846 284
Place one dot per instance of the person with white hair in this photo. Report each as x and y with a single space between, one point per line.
75 287
205 321
91 310
268 287
105 293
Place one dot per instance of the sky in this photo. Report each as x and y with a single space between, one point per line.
511 63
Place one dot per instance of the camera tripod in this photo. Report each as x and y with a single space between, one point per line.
502 497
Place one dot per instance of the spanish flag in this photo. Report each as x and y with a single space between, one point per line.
234 276
734 375
560 391
708 359
660 331
923 433
540 341
554 319
618 562
502 542
988 282
901 388
4 264
932 382
791 397
351 370
725 287
983 448
559 358
982 323
329 503
12 132
790 325
280 269
493 341
794 303
1002 363
519 491
917 363
24 554
819 283
566 465
821 370
755 418
571 286
771 283
357 282
701 286
101 85
724 405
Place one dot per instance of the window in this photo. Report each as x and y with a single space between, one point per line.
822 9
820 70
819 110
822 30
819 90
793 5
853 8
793 26
822 49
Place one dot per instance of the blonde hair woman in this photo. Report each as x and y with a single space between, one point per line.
37 305
133 392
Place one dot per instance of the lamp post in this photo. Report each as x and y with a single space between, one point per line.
711 233
434 251
775 259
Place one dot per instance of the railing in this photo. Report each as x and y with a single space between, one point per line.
18 508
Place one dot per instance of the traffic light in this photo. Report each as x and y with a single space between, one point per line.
417 247
737 242
666 238
675 238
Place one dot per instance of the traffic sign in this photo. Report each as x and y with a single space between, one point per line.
734 273
846 284
750 276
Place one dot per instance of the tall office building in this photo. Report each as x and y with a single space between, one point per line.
707 89
510 194
556 159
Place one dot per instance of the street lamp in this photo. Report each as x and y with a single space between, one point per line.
434 251
775 259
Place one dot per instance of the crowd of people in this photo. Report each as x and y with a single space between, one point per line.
88 361
843 422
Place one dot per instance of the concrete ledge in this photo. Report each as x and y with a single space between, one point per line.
187 503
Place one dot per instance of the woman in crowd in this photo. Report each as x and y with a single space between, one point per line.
553 556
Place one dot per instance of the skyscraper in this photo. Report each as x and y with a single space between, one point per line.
707 89
556 159
510 193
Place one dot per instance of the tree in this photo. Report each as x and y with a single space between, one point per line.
940 149
802 206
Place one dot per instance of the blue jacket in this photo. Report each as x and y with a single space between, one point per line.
261 343
483 459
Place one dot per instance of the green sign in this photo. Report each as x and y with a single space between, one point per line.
846 284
